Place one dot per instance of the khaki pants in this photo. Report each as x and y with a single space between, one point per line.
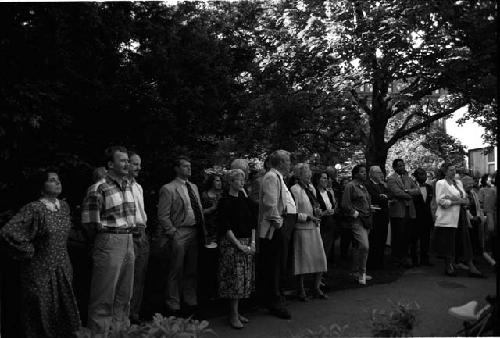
182 269
361 247
112 281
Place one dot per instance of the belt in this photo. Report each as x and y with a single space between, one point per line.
118 231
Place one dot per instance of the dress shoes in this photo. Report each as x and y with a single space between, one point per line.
319 294
476 274
450 270
302 296
281 313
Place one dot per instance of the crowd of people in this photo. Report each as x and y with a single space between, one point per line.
264 225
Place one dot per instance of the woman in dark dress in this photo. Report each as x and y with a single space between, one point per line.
209 256
37 237
236 231
209 199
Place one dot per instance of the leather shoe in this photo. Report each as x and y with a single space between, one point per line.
319 294
281 312
476 274
302 296
450 271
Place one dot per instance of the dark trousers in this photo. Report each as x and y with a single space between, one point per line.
400 237
208 263
377 239
274 261
141 251
420 241
327 230
346 239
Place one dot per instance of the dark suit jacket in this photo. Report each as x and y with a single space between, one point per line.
423 209
375 190
322 203
400 199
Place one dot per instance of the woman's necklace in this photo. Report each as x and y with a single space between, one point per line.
51 205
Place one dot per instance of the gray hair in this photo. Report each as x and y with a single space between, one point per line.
234 173
277 157
240 163
373 168
300 169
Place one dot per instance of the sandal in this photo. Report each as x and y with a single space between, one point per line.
236 324
242 319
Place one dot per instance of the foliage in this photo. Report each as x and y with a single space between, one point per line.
397 322
160 327
333 330
427 151
407 52
219 80
77 78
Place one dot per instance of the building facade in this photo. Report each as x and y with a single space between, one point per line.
482 161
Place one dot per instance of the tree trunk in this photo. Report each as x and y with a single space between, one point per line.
376 153
376 149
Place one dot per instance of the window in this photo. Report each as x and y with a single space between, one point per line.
491 168
491 156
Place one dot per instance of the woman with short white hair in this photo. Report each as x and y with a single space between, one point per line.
236 233
309 255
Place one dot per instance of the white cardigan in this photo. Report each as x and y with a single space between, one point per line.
446 214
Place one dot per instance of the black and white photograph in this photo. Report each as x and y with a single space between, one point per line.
249 168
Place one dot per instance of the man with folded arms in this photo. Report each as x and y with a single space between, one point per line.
111 210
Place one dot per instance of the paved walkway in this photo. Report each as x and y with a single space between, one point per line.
433 291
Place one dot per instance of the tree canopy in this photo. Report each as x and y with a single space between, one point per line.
223 79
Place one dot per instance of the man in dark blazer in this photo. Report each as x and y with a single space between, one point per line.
421 231
377 189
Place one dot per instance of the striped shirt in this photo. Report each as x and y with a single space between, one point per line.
110 205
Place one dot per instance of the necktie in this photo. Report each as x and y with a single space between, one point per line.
194 204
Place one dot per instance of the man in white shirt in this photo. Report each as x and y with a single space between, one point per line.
141 242
277 216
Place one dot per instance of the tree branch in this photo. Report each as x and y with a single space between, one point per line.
405 123
402 133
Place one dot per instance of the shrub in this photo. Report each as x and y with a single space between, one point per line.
397 322
160 327
334 330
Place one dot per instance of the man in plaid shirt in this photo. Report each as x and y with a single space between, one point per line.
110 210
